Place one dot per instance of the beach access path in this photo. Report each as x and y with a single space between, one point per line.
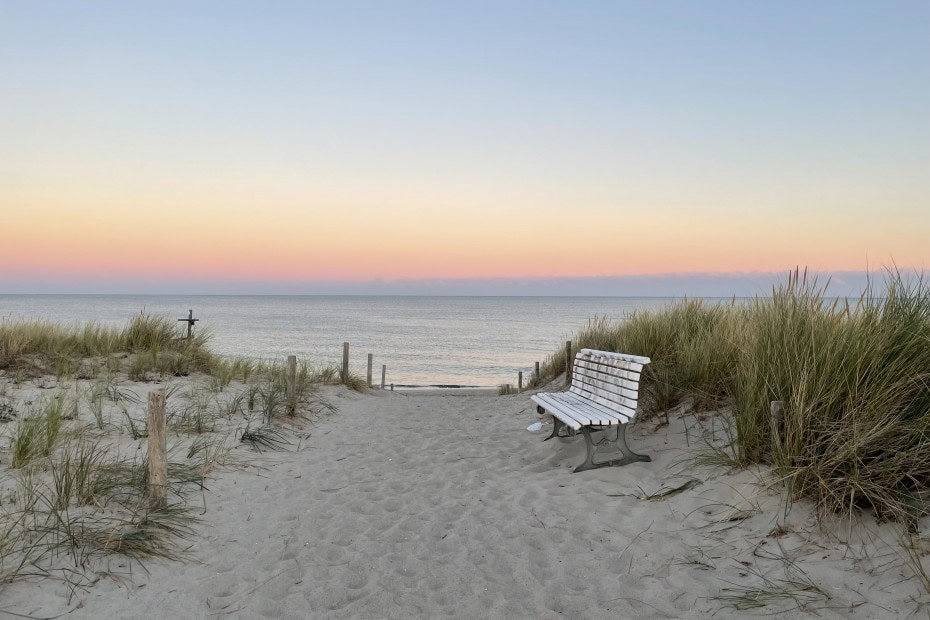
430 505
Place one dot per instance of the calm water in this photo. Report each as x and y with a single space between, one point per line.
422 340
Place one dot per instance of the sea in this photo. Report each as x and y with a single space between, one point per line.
422 341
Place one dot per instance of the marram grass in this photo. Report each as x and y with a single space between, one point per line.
854 377
54 347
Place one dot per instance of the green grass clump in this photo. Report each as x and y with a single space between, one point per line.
57 348
266 437
36 434
693 346
854 379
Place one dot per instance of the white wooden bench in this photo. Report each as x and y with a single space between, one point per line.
603 395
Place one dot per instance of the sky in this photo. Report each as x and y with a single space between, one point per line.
584 147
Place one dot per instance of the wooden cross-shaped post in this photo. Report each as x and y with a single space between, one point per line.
190 320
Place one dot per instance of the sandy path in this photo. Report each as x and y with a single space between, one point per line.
445 506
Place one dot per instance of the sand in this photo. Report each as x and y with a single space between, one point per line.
436 505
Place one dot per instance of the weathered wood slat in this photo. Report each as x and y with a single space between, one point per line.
609 390
551 405
621 384
605 416
576 411
629 380
607 403
579 414
623 356
589 391
589 366
621 390
620 367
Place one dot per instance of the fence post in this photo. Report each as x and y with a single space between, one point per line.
345 361
538 380
777 412
520 381
383 373
157 450
370 356
292 384
568 362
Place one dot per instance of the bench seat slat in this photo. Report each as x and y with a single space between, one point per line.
576 411
565 412
606 415
590 391
611 405
626 397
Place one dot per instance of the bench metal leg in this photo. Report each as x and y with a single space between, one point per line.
619 443
557 424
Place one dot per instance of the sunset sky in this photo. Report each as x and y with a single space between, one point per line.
302 147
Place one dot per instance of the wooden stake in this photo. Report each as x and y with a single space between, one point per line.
777 412
370 357
383 373
520 381
292 384
190 320
158 450
345 361
537 373
568 362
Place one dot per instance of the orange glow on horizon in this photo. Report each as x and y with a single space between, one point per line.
320 234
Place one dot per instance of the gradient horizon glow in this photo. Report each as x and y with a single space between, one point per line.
294 142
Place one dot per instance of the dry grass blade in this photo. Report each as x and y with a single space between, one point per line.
265 437
666 492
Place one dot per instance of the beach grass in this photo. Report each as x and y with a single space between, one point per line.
506 389
40 346
85 501
853 376
148 348
75 495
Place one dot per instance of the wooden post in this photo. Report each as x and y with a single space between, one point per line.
190 320
392 387
383 373
520 381
345 361
568 362
158 451
292 384
777 412
537 374
370 356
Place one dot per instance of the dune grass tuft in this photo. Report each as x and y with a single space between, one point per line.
854 377
58 348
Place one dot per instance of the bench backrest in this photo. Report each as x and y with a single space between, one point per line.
609 379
